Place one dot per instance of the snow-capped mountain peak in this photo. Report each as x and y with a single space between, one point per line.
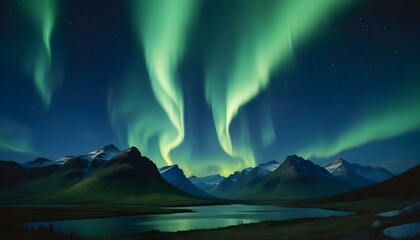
174 167
103 154
376 174
269 166
336 167
39 162
295 165
263 169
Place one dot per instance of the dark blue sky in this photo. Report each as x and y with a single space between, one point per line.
350 88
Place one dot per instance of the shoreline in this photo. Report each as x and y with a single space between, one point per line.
16 216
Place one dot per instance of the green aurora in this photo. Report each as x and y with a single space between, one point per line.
14 137
394 119
163 40
253 56
200 83
43 14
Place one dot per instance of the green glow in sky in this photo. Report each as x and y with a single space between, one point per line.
13 137
255 53
133 105
268 134
43 14
162 27
401 117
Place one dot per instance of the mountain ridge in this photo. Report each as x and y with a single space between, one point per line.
175 176
295 178
206 183
127 177
357 175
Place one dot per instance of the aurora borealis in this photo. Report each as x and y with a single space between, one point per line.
163 40
232 83
399 118
214 86
43 15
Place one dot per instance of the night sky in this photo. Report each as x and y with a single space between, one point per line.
214 86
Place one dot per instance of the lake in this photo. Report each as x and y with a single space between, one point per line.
203 217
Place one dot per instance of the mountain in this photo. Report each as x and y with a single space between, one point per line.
235 184
226 185
347 172
258 173
40 172
101 155
175 176
39 162
358 175
104 153
74 167
295 178
94 165
11 173
376 173
127 177
94 178
405 185
94 159
130 164
206 183
38 182
269 167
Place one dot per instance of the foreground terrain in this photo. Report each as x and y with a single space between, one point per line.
358 226
130 184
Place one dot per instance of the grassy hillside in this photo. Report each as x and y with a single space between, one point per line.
11 174
96 189
128 178
405 185
33 191
280 188
295 178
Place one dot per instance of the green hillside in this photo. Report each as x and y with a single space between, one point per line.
128 178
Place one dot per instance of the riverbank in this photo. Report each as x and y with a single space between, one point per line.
28 214
358 226
354 227
11 217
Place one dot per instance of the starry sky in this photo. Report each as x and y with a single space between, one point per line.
214 86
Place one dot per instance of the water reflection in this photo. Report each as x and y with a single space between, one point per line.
203 217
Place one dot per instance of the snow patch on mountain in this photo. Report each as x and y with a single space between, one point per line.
375 174
167 169
103 154
64 159
269 166
39 162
